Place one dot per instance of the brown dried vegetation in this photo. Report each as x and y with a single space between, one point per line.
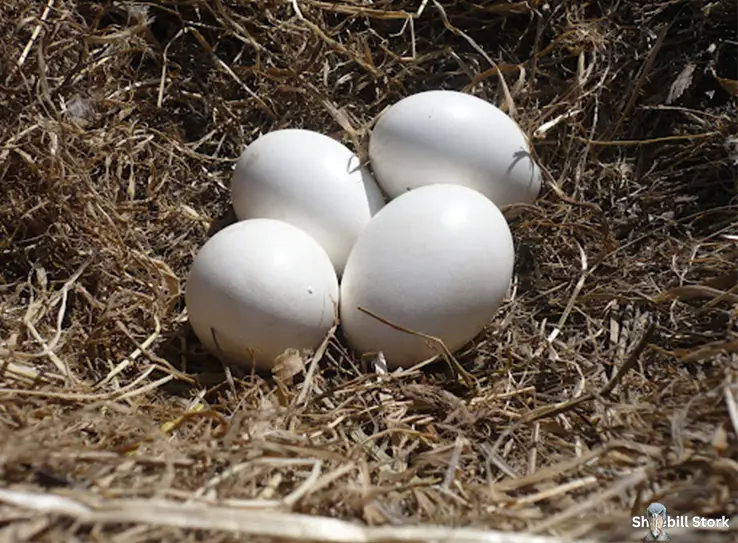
608 380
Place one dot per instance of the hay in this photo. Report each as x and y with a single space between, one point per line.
608 380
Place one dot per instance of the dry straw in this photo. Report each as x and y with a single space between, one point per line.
609 378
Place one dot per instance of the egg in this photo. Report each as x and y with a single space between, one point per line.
310 181
445 136
436 260
259 287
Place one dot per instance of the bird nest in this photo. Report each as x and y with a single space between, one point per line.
607 381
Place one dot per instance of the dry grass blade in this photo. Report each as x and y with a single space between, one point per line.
432 342
291 526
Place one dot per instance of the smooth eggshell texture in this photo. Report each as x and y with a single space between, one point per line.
311 181
451 137
262 286
437 260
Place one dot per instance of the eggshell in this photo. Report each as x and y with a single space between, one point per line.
445 136
261 286
437 260
311 181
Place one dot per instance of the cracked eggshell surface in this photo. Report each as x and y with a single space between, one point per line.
261 286
437 260
311 181
445 136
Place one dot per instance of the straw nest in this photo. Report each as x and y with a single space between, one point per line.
607 380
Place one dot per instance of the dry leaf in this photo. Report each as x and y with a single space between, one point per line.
80 110
681 84
289 364
720 440
730 85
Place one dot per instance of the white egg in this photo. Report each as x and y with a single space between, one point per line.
436 260
451 137
311 181
259 287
